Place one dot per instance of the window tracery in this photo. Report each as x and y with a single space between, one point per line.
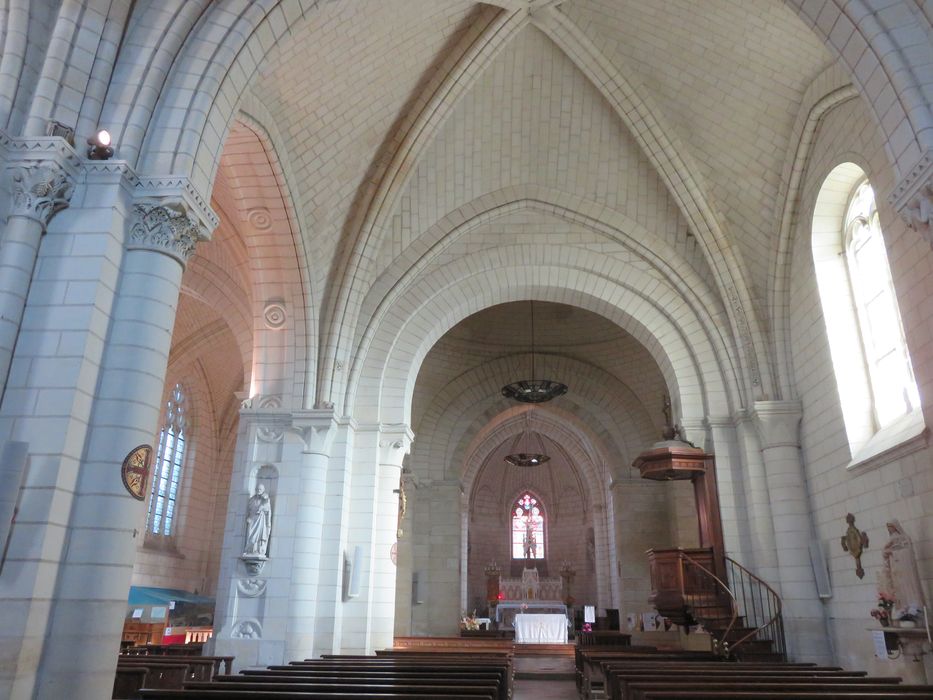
170 460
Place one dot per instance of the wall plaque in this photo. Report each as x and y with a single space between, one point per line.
135 471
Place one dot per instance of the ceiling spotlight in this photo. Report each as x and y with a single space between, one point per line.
99 146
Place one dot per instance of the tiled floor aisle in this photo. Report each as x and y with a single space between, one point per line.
544 690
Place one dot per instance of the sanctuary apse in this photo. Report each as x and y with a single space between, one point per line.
302 278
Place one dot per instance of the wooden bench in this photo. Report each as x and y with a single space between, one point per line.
436 688
886 694
458 667
589 673
152 676
227 694
222 664
614 672
128 681
199 669
638 690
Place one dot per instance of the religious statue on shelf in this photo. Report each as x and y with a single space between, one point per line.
258 523
899 575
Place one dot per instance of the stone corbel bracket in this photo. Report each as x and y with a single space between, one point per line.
912 198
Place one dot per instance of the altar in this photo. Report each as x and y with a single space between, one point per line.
540 629
507 610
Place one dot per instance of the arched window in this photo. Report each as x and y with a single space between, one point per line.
889 369
170 459
527 527
877 391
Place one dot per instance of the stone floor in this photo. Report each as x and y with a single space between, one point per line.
544 690
544 678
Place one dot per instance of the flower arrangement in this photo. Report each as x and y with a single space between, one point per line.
882 612
587 627
468 621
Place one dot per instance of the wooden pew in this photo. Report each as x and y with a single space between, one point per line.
589 673
614 672
836 689
436 689
227 694
128 681
199 669
222 664
886 694
459 667
158 675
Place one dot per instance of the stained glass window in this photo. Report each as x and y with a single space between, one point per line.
527 528
166 477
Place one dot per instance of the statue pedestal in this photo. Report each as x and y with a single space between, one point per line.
254 563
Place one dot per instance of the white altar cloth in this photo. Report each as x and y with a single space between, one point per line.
541 629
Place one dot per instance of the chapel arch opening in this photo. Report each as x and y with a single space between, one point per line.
461 493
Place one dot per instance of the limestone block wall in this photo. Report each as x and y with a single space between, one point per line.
893 485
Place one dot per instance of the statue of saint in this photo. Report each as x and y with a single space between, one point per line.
258 522
900 575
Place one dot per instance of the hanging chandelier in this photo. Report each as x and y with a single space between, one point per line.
534 390
527 448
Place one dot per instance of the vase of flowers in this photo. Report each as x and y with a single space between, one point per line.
468 621
882 612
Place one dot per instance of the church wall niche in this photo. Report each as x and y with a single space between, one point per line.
892 487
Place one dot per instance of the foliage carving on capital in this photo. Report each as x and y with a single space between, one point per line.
40 188
165 227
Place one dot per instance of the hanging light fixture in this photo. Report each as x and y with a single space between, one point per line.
527 448
534 390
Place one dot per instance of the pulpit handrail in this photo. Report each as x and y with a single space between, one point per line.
774 623
722 585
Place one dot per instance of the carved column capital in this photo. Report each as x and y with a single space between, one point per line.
316 428
394 443
913 197
40 188
778 423
168 227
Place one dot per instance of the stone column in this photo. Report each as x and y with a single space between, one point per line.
90 592
40 189
394 444
317 429
778 425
